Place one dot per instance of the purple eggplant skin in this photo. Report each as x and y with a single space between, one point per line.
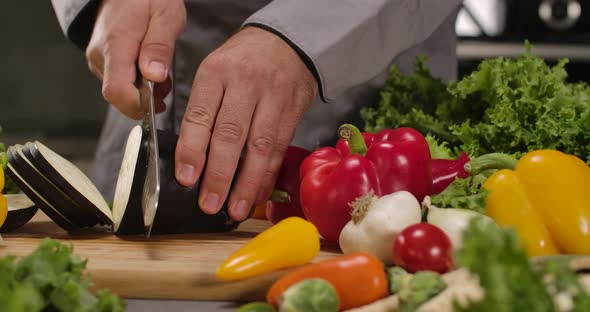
86 210
178 210
49 211
17 216
51 192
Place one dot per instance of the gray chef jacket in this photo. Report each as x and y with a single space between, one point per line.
347 44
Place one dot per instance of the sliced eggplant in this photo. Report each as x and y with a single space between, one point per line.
20 211
127 212
178 211
39 201
72 181
20 157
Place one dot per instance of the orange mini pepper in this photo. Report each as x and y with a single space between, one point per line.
359 279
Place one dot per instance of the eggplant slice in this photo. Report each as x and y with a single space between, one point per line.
127 212
39 201
72 181
20 211
20 157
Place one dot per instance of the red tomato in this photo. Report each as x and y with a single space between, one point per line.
423 247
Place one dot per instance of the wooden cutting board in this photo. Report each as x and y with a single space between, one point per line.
164 267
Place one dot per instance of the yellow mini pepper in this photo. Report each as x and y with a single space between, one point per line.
3 204
291 242
546 198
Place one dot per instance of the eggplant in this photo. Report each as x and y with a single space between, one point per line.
72 201
49 210
72 181
21 159
20 211
178 211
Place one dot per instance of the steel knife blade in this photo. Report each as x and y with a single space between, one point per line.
151 185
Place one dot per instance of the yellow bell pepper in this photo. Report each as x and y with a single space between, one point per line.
546 198
1 179
3 204
3 209
289 243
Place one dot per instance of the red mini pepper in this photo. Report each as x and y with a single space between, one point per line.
288 183
445 171
333 177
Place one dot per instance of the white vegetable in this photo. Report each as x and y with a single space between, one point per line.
376 222
453 221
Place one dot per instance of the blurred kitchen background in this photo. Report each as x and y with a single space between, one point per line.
49 95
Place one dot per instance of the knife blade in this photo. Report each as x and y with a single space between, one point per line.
151 185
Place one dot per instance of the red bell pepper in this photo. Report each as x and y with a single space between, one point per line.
333 177
288 183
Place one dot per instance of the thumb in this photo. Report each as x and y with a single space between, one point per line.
166 24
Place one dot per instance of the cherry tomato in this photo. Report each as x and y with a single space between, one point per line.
423 247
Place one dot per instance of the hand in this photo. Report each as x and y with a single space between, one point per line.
126 31
248 95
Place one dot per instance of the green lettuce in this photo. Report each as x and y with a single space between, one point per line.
510 283
507 105
50 279
509 280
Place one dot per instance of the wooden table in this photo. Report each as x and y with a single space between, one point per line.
163 267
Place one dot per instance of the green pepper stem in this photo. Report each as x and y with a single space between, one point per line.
279 196
354 137
490 161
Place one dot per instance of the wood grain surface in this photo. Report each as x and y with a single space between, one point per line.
163 267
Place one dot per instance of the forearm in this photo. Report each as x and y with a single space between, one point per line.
76 19
348 42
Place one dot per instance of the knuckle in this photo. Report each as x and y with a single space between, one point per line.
219 176
279 81
212 62
110 92
250 183
262 145
199 115
160 50
247 69
228 132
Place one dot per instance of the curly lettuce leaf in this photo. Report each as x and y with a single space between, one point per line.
411 101
439 149
528 105
507 105
50 279
464 193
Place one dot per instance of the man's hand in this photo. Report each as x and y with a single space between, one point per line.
248 95
128 31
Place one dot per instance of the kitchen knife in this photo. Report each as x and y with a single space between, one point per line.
151 185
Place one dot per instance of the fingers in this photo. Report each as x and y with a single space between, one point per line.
195 128
286 129
260 147
124 33
119 76
227 141
157 47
